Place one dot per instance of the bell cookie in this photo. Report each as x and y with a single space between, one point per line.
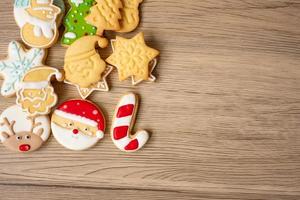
105 15
84 67
123 122
78 124
35 94
130 15
133 58
74 22
37 20
21 133
18 62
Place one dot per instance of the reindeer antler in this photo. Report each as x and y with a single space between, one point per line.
34 125
9 125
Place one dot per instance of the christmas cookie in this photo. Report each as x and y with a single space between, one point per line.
133 58
130 15
37 20
74 22
84 67
123 122
21 133
105 15
35 94
78 124
18 62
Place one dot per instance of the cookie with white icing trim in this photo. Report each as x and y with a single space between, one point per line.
78 124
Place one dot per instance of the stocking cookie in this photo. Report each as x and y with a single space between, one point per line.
78 124
84 67
105 15
74 22
130 15
133 58
18 62
37 20
35 94
21 133
123 122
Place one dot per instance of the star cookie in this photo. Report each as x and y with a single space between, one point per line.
133 58
19 61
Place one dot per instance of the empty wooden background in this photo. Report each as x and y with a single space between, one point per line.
224 113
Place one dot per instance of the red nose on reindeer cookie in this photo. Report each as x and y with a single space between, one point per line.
78 124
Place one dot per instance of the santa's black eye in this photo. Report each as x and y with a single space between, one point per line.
86 129
27 137
19 137
70 124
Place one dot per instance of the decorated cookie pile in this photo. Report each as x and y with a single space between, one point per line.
76 124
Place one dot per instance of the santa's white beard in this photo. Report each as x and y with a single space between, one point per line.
72 141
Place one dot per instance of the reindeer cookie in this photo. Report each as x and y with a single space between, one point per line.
22 133
38 21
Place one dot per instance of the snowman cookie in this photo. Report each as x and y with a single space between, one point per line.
21 133
78 124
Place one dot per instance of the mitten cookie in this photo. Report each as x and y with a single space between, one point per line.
18 62
22 133
78 124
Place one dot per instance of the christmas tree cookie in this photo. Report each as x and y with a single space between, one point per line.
74 22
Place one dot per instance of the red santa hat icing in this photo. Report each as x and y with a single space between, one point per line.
84 112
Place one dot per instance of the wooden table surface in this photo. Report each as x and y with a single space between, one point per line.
224 113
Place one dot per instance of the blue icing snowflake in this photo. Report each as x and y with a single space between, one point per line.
22 3
18 63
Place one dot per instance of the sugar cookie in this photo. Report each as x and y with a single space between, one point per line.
133 58
130 15
18 62
105 15
78 124
21 133
37 20
123 122
35 94
74 22
84 67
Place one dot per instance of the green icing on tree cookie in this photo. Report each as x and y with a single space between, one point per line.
74 22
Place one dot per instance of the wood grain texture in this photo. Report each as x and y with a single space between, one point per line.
224 113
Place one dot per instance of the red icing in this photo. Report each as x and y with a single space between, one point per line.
120 132
24 147
133 145
125 110
84 109
75 131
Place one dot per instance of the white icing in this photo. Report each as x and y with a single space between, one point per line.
23 123
77 2
128 99
37 31
77 118
124 121
43 1
34 85
72 141
70 35
43 8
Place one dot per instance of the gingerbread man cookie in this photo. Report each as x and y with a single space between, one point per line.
105 15
78 124
130 15
84 67
123 122
22 133
133 58
18 62
35 94
37 20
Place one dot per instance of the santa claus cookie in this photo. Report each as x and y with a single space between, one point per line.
38 21
123 122
78 124
22 133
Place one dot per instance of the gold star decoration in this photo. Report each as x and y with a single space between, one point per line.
133 58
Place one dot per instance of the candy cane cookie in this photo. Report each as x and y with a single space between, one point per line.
122 125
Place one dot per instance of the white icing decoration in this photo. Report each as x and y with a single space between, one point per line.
37 31
33 85
70 35
18 63
77 118
142 136
77 2
22 122
68 139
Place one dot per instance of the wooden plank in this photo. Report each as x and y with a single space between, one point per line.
224 113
